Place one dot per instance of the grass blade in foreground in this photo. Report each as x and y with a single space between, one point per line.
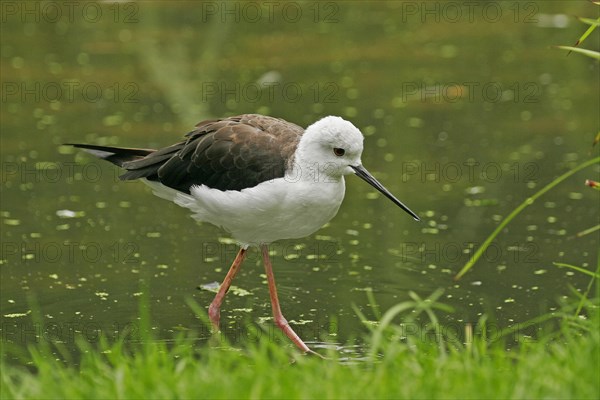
537 369
589 53
516 211
576 268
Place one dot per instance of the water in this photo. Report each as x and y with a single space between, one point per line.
464 118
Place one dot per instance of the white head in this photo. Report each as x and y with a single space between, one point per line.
331 148
331 145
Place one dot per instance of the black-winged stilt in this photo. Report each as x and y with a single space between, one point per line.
260 178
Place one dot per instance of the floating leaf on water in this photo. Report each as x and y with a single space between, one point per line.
211 287
246 310
102 295
224 240
70 214
65 213
475 190
575 196
238 291
17 315
317 237
301 322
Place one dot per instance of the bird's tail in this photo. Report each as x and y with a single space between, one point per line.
115 155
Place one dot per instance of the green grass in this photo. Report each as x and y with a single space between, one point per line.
561 363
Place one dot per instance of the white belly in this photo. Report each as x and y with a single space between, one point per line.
273 210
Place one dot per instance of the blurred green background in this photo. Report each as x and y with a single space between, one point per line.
466 111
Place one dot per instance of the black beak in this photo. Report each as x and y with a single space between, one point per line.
362 173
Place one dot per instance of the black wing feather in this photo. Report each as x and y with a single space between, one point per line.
227 154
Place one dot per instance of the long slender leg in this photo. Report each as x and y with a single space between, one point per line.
280 320
214 310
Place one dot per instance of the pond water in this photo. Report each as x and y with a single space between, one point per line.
466 112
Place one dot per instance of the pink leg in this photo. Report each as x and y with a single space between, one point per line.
280 320
214 310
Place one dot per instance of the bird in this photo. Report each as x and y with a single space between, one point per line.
259 178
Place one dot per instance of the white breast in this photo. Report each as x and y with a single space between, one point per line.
273 210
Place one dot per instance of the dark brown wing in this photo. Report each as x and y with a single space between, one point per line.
227 154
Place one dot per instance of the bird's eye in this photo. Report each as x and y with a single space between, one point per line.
338 151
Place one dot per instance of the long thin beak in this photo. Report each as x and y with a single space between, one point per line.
365 175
